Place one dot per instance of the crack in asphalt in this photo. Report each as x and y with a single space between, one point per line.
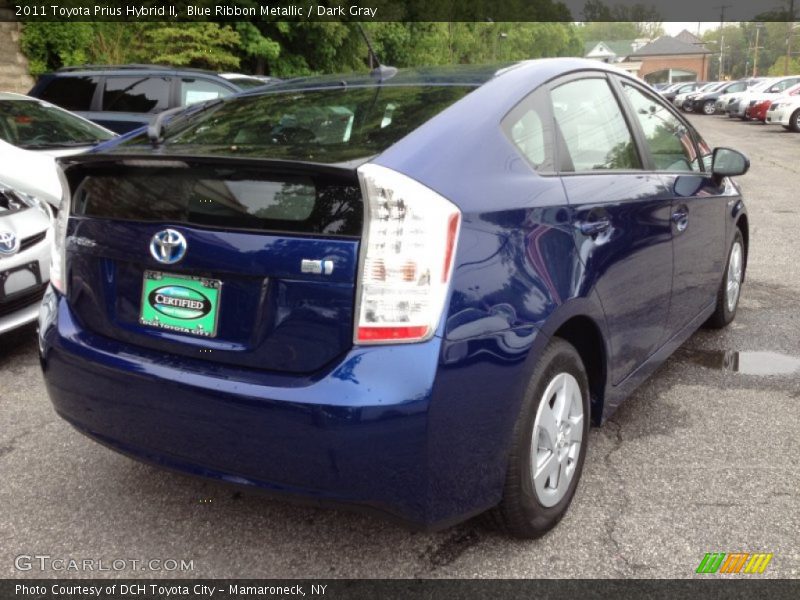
620 507
10 445
451 548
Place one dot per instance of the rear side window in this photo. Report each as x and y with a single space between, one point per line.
136 94
668 140
226 198
327 126
72 93
592 125
530 127
200 90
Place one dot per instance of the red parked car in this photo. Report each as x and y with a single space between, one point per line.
760 108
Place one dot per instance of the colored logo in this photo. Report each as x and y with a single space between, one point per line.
736 562
179 302
168 246
9 243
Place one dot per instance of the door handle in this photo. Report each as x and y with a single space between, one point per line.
681 218
594 227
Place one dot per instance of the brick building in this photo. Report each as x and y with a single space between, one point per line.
666 59
671 59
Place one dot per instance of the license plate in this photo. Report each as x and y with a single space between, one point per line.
180 303
19 281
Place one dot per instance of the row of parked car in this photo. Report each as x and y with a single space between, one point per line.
68 112
772 100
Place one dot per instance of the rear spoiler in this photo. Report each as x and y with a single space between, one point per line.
100 162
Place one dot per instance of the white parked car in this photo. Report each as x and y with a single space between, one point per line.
32 134
248 82
785 111
25 237
772 89
727 101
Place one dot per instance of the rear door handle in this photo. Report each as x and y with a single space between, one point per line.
594 227
681 218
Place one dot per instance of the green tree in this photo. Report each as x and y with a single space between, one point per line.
735 51
52 45
202 44
777 69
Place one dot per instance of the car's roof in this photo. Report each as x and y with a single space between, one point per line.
132 69
467 75
15 96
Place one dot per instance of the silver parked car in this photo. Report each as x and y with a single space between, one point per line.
25 237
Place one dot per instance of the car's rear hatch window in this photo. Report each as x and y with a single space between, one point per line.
321 126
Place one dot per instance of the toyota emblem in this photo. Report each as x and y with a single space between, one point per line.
168 246
9 243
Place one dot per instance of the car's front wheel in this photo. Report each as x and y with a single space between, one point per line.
794 121
731 287
709 108
549 445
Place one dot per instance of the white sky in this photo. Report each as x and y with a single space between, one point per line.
673 28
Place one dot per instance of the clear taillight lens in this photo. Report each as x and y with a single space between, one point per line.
410 235
58 254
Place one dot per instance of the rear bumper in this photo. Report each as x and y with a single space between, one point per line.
376 430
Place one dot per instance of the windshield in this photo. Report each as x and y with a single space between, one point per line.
328 126
762 85
33 125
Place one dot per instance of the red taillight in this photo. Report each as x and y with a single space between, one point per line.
407 254
383 334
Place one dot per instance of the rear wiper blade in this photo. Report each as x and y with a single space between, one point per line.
155 130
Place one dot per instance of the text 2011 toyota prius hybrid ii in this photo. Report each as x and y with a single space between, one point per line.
407 292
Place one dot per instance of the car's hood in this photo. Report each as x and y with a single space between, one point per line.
30 172
761 96
787 100
56 152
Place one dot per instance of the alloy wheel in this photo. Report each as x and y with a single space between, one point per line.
557 438
734 283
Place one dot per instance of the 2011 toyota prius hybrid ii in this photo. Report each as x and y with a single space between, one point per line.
409 292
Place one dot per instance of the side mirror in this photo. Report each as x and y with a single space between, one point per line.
727 162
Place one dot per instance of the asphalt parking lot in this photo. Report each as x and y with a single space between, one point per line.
703 458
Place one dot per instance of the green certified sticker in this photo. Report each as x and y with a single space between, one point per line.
180 303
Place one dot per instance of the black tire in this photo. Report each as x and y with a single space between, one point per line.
709 107
794 121
723 315
520 513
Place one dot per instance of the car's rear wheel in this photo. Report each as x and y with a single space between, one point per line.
709 108
730 289
794 121
549 445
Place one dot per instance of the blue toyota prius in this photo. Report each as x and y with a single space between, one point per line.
408 291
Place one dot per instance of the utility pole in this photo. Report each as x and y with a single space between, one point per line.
722 36
789 38
755 50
